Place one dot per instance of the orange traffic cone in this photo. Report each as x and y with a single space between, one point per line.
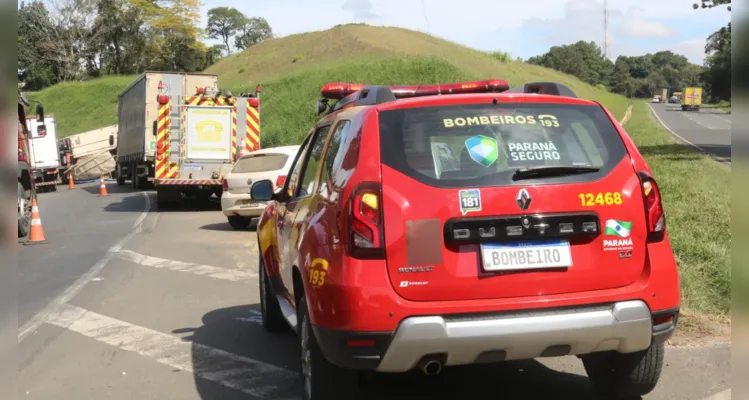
36 235
71 184
103 188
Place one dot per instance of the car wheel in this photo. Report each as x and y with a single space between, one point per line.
272 318
625 375
321 380
24 212
239 223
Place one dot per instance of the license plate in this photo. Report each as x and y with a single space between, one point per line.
526 255
249 204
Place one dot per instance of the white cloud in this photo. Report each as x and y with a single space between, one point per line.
637 25
362 9
693 49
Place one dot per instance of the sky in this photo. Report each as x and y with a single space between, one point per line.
522 28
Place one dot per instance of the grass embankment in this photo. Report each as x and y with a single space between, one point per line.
82 106
697 198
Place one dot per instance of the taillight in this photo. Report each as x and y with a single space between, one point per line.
366 239
280 181
225 184
654 215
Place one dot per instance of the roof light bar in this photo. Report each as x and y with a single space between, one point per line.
547 88
337 91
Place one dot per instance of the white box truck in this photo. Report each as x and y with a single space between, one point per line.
180 132
45 158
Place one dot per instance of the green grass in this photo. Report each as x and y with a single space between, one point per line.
82 106
697 198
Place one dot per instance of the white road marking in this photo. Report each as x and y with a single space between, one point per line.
724 395
228 274
34 323
678 136
696 121
231 370
720 118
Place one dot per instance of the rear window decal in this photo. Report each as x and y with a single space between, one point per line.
482 149
547 120
533 151
470 200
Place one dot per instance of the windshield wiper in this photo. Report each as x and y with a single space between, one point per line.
551 170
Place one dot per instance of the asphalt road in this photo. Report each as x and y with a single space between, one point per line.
708 129
164 305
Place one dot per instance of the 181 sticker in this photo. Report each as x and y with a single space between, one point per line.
600 199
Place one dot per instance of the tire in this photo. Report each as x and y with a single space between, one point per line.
321 380
625 375
53 187
239 223
272 319
24 212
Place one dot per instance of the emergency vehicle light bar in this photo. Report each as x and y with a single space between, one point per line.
337 91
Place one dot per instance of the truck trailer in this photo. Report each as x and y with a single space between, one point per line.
180 133
43 152
692 99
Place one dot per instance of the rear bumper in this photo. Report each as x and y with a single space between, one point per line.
624 327
230 206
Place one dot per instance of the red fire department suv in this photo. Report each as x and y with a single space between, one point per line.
443 225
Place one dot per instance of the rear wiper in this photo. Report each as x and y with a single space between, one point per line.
551 170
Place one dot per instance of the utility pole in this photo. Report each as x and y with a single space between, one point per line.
605 28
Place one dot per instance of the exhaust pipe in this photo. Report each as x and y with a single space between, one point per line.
431 367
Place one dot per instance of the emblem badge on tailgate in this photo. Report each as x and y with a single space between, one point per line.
523 199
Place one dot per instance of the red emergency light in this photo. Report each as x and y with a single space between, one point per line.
337 91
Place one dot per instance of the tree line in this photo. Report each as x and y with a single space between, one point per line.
72 40
644 76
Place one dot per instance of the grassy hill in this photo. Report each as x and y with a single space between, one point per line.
293 69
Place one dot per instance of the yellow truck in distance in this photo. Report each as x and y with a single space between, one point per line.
691 99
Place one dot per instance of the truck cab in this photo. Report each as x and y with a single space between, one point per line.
26 185
44 152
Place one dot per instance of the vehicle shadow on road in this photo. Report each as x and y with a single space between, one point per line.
237 330
225 227
682 152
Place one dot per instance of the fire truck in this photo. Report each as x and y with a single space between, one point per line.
194 132
26 185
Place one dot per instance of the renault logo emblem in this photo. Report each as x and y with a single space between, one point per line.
523 199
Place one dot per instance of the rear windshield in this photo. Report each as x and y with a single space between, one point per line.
483 144
260 163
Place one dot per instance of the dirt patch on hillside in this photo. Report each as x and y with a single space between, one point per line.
698 330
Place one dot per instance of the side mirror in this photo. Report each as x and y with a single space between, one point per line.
322 106
262 190
40 111
111 140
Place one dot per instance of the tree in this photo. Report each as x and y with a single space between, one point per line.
584 60
718 74
224 23
712 3
254 31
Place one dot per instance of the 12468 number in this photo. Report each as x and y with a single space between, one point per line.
600 199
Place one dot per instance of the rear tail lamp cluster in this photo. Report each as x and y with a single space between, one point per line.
280 181
225 184
366 239
654 214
